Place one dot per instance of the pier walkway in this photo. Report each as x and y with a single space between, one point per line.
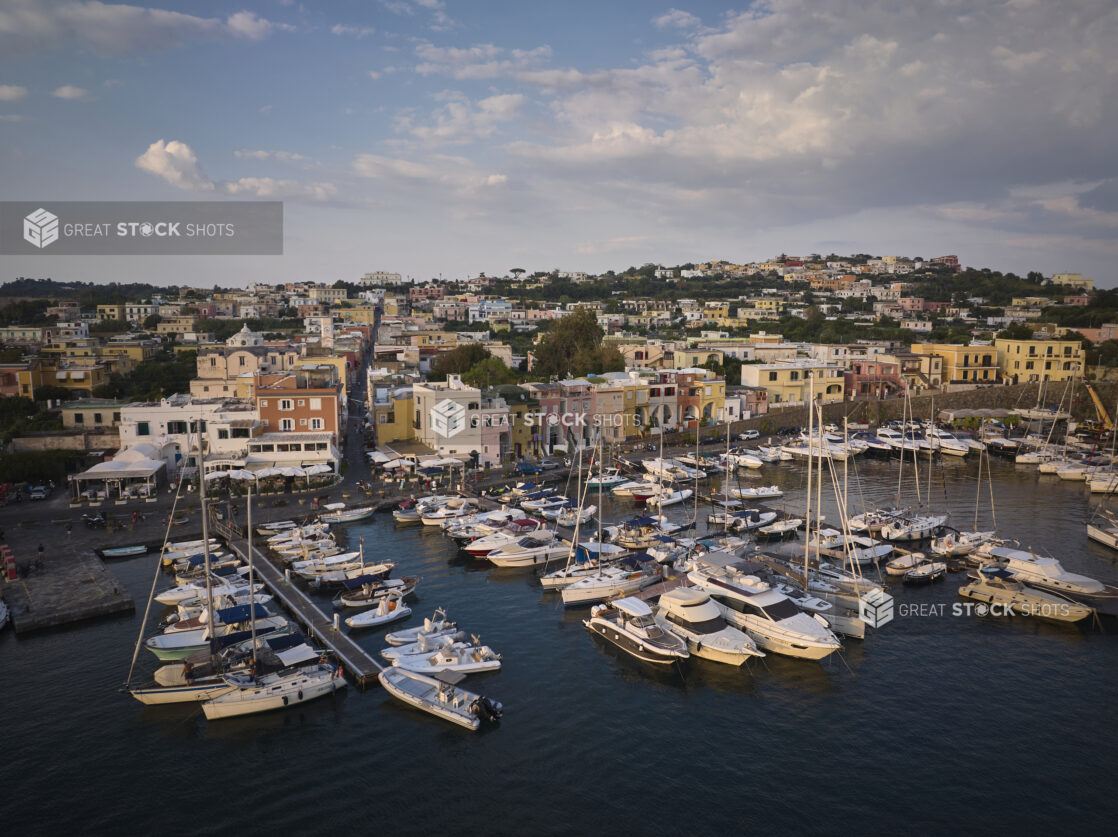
357 662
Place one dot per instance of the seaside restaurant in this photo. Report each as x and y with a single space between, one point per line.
132 474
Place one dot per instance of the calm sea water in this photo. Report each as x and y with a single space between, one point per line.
941 723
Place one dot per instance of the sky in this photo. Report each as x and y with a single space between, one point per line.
448 138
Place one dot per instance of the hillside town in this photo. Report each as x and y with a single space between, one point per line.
532 362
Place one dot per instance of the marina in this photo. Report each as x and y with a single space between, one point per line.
853 704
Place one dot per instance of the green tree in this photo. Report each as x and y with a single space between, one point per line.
52 393
152 321
457 361
489 372
573 346
1016 331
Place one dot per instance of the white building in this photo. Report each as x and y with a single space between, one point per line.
172 427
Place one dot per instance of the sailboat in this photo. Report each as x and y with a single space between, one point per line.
303 675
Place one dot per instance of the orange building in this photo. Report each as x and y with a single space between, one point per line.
305 400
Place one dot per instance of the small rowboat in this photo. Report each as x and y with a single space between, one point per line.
390 609
440 696
124 551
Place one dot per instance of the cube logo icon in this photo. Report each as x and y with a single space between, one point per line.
40 228
448 418
876 608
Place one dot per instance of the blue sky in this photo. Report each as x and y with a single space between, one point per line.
443 137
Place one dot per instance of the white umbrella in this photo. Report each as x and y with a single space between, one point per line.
314 470
215 475
242 475
269 472
293 472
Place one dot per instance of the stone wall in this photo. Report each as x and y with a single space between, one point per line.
83 441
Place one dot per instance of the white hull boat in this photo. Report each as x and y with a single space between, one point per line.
690 614
389 609
274 691
440 697
629 624
460 657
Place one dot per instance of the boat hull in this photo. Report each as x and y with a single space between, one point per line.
639 650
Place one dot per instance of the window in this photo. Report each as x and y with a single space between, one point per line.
318 424
301 403
116 418
143 428
302 422
213 362
176 427
241 360
222 433
79 418
286 405
772 376
316 403
240 433
287 424
264 403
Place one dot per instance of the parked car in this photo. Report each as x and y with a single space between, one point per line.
714 440
750 434
528 468
37 492
548 464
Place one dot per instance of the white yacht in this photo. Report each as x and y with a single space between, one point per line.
440 696
945 442
584 562
915 528
528 552
629 624
774 622
606 479
992 585
276 691
509 534
622 578
690 614
1048 574
462 657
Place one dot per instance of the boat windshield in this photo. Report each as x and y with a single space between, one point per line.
780 610
645 621
707 626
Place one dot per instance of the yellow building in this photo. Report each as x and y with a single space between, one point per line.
359 314
110 312
791 381
79 375
393 417
1039 360
963 364
686 358
91 414
1073 280
714 310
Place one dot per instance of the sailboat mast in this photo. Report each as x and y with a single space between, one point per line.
726 483
251 575
807 510
205 531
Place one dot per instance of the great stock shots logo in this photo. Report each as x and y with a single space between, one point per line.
40 228
448 418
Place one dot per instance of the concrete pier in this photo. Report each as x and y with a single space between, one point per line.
70 585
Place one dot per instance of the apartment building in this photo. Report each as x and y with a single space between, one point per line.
791 381
963 366
459 420
242 356
304 400
1024 361
173 425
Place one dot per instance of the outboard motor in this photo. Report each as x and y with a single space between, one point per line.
488 709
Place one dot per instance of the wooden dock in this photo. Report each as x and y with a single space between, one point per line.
359 666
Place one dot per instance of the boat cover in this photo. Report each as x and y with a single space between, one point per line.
240 613
301 653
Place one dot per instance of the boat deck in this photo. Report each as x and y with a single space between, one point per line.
359 666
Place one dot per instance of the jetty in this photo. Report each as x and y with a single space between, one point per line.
68 585
357 663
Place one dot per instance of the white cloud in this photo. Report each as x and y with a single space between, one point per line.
11 117
348 29
462 121
676 19
480 61
282 156
459 175
69 91
266 109
176 163
30 27
374 75
632 243
12 92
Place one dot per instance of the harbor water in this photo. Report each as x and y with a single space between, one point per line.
939 722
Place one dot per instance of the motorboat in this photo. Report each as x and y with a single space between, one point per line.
642 532
440 696
742 520
945 442
621 578
957 544
450 510
873 445
629 624
778 530
175 645
435 625
925 572
528 551
509 534
763 492
1048 574
268 529
690 614
462 657
543 500
872 521
311 568
671 469
914 528
221 587
362 593
124 551
769 455
607 479
639 490
670 498
425 644
903 563
390 608
572 516
745 459
995 586
338 513
770 618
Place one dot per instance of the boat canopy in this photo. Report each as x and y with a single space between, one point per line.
640 522
240 613
301 653
632 606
